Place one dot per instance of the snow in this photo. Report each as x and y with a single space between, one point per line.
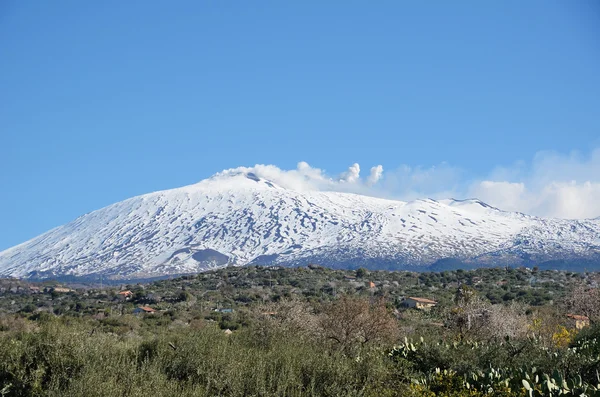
245 217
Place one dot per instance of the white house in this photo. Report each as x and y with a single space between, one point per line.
419 303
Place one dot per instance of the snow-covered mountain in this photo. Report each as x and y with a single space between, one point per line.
237 218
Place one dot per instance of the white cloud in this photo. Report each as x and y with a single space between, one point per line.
411 183
571 199
507 195
552 184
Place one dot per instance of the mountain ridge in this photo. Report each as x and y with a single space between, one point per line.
238 218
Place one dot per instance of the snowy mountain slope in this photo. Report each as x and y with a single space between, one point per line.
237 218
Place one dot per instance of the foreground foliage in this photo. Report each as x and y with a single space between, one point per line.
276 357
305 332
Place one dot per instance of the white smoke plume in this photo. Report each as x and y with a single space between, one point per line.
551 185
306 177
353 174
375 176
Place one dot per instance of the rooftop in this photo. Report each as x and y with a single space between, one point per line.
422 300
147 309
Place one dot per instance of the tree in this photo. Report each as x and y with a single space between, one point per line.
465 295
28 308
467 318
361 272
586 301
475 318
352 322
184 296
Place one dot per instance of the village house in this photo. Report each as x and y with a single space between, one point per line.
143 310
61 289
578 320
419 303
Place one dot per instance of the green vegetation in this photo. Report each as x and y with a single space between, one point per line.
304 332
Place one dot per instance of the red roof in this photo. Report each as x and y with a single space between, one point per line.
147 309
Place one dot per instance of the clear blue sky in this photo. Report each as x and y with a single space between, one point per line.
104 100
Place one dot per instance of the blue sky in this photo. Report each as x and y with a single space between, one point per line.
101 101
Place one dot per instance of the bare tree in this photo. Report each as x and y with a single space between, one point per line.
585 300
503 321
473 317
286 317
466 318
352 322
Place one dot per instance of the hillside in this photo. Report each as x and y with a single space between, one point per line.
238 218
306 331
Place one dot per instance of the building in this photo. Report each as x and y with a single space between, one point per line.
578 320
419 303
143 310
61 289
